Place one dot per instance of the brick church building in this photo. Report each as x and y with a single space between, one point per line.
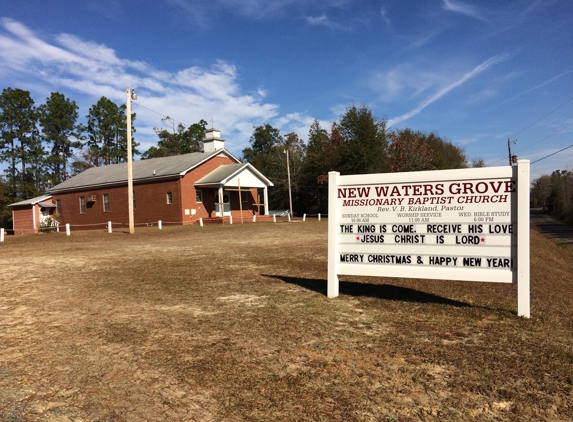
212 185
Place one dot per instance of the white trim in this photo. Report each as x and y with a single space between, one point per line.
32 201
430 176
249 167
333 217
253 170
523 252
221 206
215 154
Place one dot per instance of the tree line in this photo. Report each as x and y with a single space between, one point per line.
358 143
554 194
44 145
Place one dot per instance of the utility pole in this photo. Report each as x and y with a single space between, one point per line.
289 189
509 150
129 95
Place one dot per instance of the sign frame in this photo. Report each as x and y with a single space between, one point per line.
519 274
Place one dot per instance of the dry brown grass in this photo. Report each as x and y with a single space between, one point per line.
230 323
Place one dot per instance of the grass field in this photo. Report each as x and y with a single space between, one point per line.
231 323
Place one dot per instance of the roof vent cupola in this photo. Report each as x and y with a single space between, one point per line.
212 141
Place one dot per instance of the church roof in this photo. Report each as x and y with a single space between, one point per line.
32 201
220 174
143 170
228 173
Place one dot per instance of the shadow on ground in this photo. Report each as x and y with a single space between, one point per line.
379 291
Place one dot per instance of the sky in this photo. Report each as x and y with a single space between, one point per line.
477 73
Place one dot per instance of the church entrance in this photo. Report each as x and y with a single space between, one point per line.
226 204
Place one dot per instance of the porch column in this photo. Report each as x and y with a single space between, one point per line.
34 209
266 199
221 206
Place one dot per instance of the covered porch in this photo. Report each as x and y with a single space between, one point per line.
33 215
237 191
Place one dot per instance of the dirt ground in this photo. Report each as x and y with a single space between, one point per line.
231 323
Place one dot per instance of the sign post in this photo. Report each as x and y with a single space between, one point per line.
469 224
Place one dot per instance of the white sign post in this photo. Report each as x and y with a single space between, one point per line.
469 224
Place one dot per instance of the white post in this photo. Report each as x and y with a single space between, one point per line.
254 218
159 224
201 221
230 219
1 235
266 199
68 229
128 97
289 188
109 229
332 287
318 216
274 218
289 217
523 285
304 217
221 205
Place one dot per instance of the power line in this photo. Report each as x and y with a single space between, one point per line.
537 121
556 152
153 111
496 161
536 142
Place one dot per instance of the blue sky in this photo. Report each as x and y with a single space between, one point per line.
476 73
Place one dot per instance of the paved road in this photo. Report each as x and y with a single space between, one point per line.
551 227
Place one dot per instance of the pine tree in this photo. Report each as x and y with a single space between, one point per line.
314 177
107 133
364 147
20 144
58 121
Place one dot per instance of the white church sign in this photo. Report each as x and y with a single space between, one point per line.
470 224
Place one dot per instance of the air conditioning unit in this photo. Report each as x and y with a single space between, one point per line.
92 198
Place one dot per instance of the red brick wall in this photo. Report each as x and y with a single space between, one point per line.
151 202
150 206
23 221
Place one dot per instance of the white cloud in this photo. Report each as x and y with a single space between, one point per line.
384 16
536 87
88 49
258 9
464 9
322 20
405 81
85 69
445 90
298 123
337 111
252 9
